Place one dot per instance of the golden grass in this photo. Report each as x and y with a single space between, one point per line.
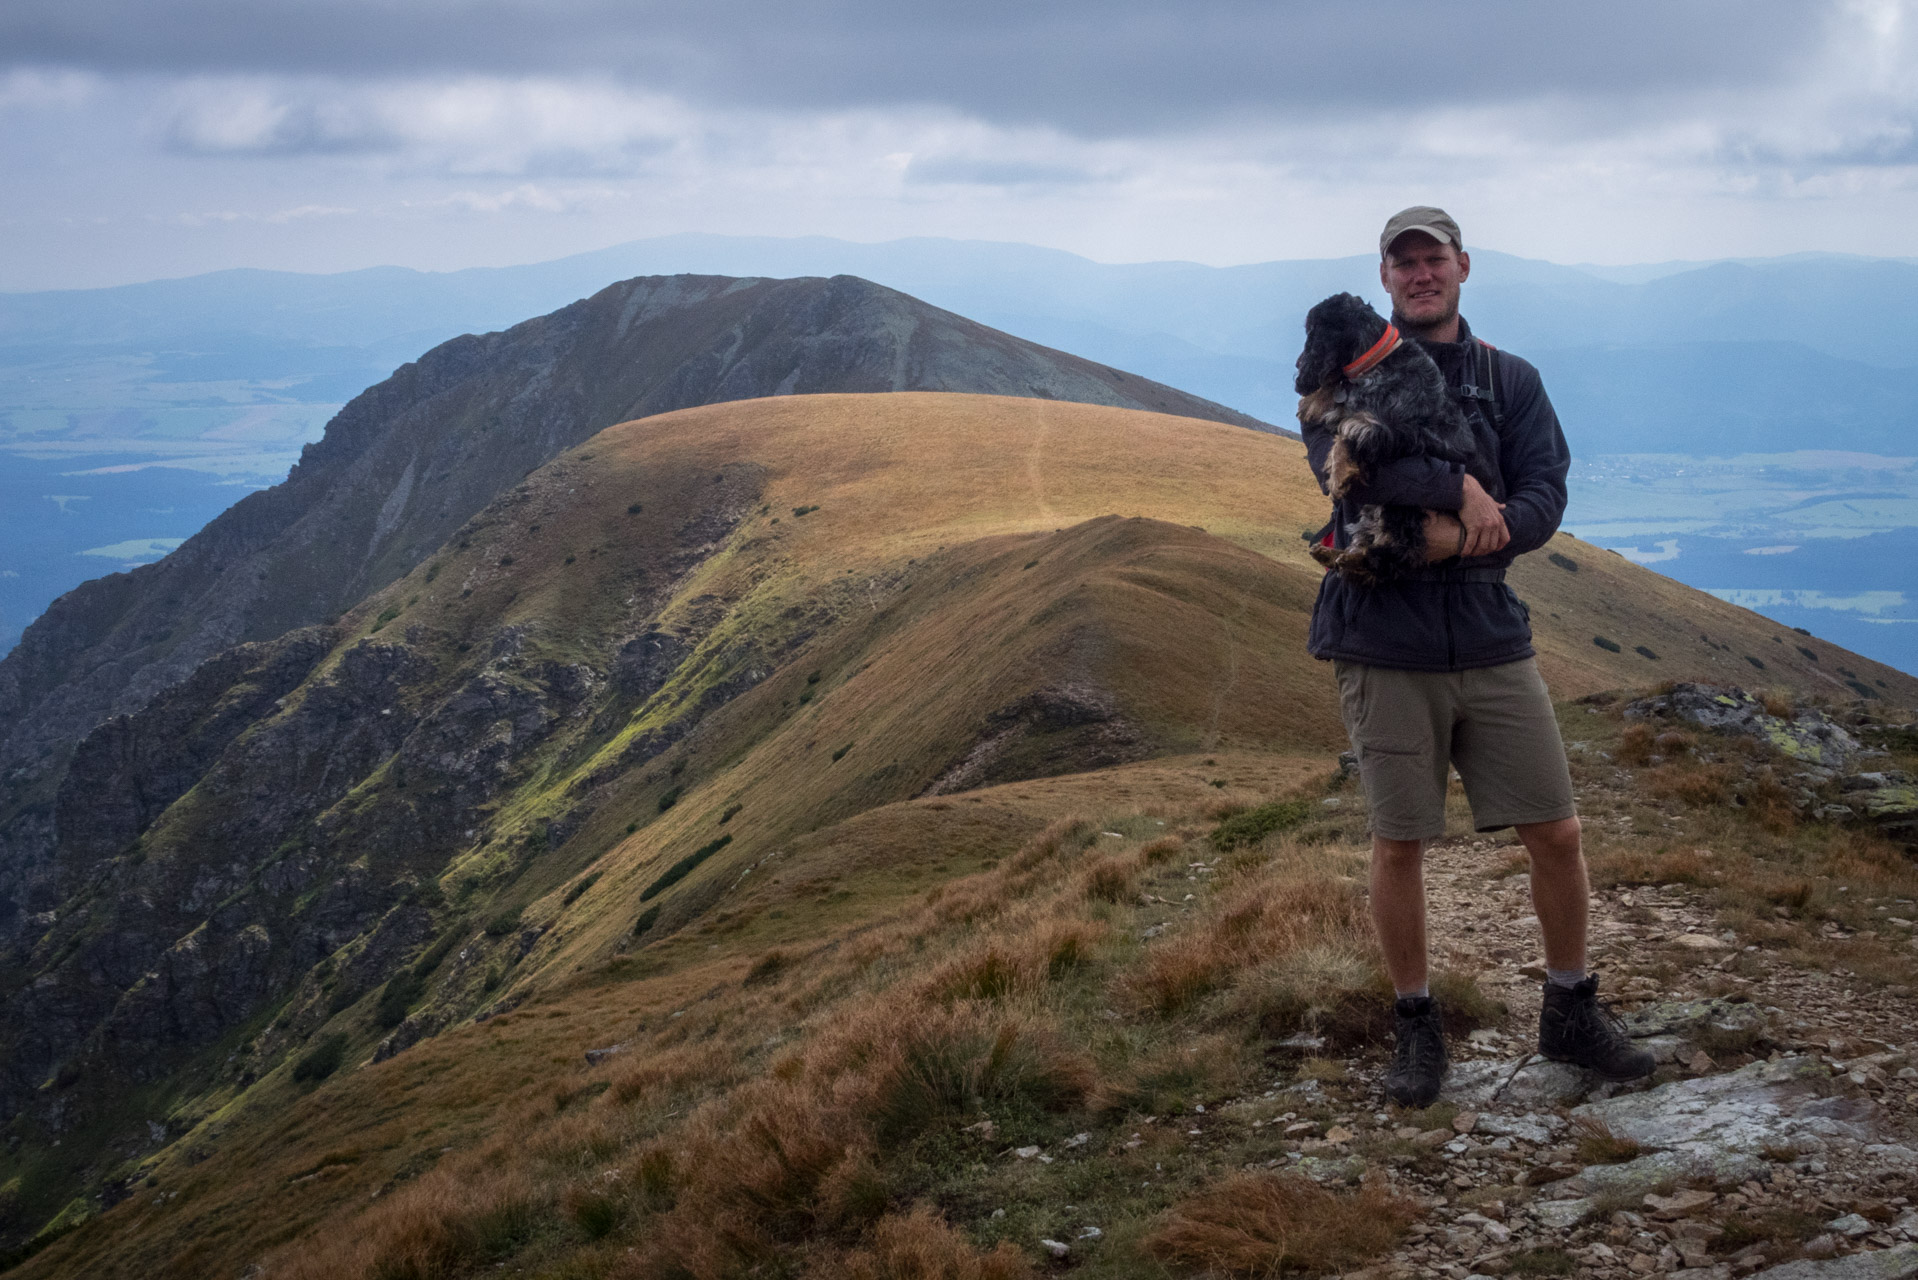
1301 942
921 1246
1262 1224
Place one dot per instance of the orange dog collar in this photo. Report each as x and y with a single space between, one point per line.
1388 343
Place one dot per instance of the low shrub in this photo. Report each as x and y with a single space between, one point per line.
683 868
397 998
503 923
1608 645
768 967
579 888
322 1060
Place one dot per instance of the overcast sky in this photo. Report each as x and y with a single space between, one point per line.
146 138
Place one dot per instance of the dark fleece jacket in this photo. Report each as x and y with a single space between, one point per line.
1458 614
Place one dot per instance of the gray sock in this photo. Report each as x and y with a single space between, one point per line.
1565 977
1419 993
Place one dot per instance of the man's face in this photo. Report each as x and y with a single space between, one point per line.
1423 275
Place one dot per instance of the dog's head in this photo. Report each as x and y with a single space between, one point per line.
1337 332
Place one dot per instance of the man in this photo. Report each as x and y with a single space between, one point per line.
1438 671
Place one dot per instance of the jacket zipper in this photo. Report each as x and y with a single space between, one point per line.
1451 645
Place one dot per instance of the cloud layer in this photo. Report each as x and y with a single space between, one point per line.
1212 129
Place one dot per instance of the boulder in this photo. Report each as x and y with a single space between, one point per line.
1900 1263
1792 1102
1809 737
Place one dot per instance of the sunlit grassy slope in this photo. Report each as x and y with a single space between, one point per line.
913 633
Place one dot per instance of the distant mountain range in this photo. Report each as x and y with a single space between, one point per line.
130 416
1824 329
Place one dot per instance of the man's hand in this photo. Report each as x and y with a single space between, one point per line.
1480 519
1484 521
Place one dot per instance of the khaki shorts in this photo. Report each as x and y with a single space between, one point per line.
1494 724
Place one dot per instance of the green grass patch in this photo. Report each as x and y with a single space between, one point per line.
1255 825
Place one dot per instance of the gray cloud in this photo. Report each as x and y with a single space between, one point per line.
1089 67
934 170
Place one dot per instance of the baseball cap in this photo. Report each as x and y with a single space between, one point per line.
1421 217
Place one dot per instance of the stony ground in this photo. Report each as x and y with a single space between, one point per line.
1782 1122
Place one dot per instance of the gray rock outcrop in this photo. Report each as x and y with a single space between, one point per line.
1809 737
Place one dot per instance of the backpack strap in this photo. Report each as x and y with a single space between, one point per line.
1481 382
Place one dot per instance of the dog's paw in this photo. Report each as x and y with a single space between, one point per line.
1364 434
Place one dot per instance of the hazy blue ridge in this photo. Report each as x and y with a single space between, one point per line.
222 377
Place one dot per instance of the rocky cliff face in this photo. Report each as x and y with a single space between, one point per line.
292 803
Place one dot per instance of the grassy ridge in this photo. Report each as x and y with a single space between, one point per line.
980 591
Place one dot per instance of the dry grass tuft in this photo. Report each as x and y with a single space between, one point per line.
1336 990
1467 1007
1264 1223
1597 1144
1258 922
1698 785
672 1074
1173 1078
1675 742
1065 837
1164 849
1635 745
1111 879
445 1225
920 1246
1639 865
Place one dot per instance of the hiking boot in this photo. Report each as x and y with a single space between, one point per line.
1418 1063
1574 1027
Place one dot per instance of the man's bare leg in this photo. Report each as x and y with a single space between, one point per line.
1398 916
1398 909
1561 892
1571 1026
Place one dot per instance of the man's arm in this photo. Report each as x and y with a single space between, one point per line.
1533 457
1404 482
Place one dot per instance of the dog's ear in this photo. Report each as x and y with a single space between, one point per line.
1337 331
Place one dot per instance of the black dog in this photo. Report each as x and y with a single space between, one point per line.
1382 399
